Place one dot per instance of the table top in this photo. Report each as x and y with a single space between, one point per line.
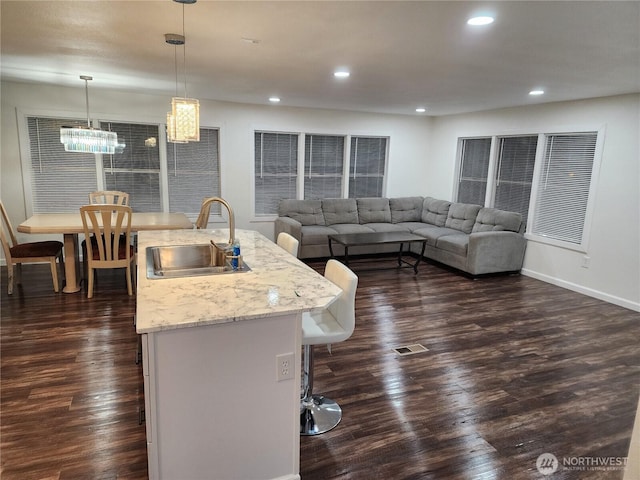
72 222
374 238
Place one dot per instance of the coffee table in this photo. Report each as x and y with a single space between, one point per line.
378 238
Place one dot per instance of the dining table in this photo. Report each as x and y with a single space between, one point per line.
70 225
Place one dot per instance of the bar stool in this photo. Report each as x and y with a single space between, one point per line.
288 242
319 414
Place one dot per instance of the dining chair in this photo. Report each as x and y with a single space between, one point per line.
32 252
319 414
288 242
112 197
108 228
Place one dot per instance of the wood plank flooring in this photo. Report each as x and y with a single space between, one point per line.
514 368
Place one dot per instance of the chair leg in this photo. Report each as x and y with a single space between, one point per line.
318 414
90 282
10 278
129 288
54 274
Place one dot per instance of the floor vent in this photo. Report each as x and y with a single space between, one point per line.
410 349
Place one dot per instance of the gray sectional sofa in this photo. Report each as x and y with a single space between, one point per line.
467 237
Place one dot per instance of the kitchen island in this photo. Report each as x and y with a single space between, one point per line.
212 345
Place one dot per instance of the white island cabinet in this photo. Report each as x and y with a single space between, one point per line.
215 408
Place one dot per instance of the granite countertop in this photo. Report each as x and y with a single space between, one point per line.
277 284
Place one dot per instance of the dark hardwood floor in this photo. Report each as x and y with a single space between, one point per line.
515 368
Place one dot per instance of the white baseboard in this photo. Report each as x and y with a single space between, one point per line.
622 302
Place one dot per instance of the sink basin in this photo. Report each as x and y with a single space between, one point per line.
178 261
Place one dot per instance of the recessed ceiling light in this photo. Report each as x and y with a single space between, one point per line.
421 109
482 20
536 92
274 99
341 74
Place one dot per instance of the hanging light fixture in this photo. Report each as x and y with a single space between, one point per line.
183 121
88 139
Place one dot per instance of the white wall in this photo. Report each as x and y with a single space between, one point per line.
407 147
614 241
421 162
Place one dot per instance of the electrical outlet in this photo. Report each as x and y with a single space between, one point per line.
285 366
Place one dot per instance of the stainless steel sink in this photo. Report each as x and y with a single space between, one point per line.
177 261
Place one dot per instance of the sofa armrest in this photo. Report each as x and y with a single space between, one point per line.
490 252
288 225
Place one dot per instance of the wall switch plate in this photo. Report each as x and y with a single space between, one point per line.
586 260
285 365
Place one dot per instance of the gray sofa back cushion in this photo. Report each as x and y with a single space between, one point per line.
492 219
434 212
340 210
406 209
462 216
373 210
307 212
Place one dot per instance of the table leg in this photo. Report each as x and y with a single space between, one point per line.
415 266
346 255
71 262
400 254
331 248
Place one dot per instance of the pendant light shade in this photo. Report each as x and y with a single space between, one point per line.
183 121
88 139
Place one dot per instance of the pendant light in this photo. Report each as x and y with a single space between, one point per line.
183 121
88 139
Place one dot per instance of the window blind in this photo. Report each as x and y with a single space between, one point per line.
323 166
276 170
474 168
137 169
60 181
367 166
563 187
515 173
194 173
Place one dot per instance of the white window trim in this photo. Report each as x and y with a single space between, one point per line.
558 130
583 247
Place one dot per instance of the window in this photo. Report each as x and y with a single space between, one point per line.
194 173
323 166
136 170
553 195
334 166
516 160
367 166
276 170
564 182
60 181
474 167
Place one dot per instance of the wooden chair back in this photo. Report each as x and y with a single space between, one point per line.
107 231
109 197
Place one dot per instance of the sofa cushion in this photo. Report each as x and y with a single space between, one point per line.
412 226
454 243
315 235
406 209
433 233
307 212
373 210
462 216
386 227
434 212
492 219
340 210
351 228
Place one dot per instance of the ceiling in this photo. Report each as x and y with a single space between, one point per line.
401 54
